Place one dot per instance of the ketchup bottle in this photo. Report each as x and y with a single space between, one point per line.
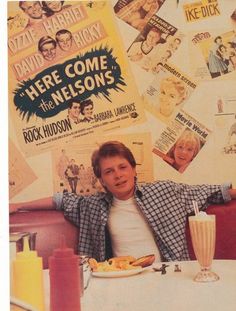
64 279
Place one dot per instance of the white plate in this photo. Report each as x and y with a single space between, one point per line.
117 274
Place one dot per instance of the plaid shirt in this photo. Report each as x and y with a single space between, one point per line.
164 204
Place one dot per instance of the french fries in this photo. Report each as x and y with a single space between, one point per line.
113 264
121 263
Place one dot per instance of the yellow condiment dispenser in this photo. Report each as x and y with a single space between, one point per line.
28 277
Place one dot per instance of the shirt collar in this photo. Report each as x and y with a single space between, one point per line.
108 197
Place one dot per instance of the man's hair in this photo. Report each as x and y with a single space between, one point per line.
44 40
62 32
21 3
111 149
73 102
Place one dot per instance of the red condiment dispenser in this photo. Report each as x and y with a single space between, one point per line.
64 279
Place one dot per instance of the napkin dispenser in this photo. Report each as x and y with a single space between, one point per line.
16 242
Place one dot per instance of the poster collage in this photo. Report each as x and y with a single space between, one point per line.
77 79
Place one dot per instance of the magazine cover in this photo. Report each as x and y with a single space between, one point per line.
213 54
168 92
156 43
136 13
181 141
68 73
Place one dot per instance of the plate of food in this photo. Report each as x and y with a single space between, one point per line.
121 266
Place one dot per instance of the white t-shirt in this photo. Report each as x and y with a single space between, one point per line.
129 231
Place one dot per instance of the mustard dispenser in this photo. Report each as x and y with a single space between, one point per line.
28 277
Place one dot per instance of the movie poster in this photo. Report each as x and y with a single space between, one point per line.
68 73
21 174
72 170
225 124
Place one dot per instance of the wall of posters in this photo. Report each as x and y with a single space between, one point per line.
149 72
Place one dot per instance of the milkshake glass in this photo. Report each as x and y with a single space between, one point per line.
203 233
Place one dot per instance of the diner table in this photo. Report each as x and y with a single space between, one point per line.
154 291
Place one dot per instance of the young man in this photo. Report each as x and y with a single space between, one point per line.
34 11
137 220
74 111
47 47
64 39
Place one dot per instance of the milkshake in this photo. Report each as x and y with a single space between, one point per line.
203 232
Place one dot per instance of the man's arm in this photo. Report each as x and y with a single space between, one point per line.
45 203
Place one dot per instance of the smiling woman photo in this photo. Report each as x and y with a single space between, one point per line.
184 150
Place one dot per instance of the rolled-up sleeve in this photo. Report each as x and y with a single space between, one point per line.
57 199
204 195
225 191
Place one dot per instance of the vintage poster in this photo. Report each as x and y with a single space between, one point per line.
136 13
225 124
213 54
181 141
201 10
68 73
156 43
168 92
72 170
21 174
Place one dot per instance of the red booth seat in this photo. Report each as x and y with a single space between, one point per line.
50 224
225 231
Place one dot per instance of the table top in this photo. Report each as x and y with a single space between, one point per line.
154 291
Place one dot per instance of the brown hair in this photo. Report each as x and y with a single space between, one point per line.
111 149
44 40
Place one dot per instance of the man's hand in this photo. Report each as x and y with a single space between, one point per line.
45 203
13 207
232 193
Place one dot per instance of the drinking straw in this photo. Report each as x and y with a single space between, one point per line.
195 207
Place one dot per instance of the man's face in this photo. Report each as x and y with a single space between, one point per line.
153 37
88 111
74 111
117 176
64 41
33 9
48 51
175 44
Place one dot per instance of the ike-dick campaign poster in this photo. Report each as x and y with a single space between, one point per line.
69 76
